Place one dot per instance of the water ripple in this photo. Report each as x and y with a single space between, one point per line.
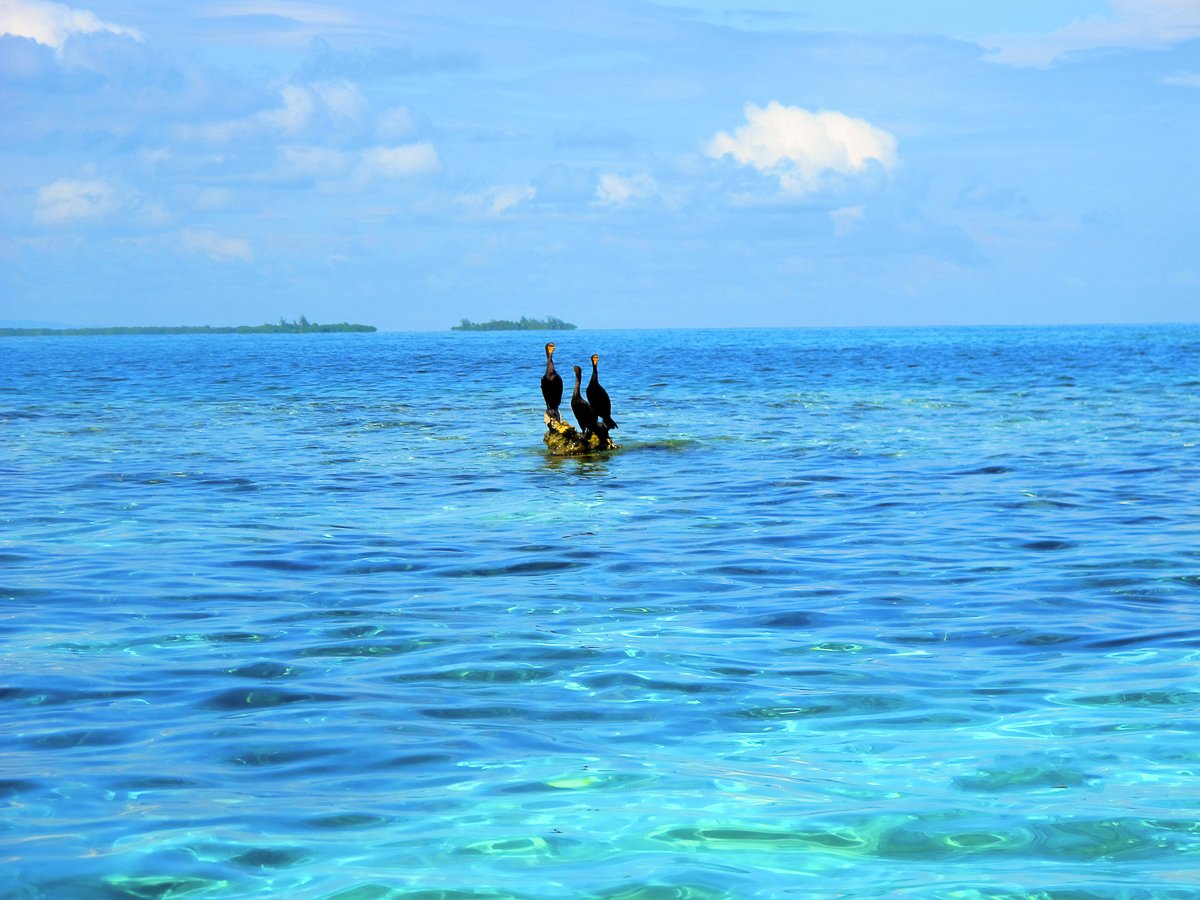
853 613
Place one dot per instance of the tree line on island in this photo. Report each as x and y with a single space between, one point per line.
550 323
296 326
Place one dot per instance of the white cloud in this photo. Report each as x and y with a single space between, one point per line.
217 247
802 148
214 198
1184 79
339 104
343 101
496 201
69 200
1141 24
155 155
295 113
398 162
314 162
617 190
307 13
395 122
52 24
847 219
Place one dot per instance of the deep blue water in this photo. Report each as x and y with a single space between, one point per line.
852 613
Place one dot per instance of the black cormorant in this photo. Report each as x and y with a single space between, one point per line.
598 397
552 386
584 415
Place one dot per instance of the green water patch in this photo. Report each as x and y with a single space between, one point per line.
1140 699
265 858
156 887
581 781
482 675
755 839
839 705
347 821
935 838
661 892
1022 778
265 670
386 892
366 648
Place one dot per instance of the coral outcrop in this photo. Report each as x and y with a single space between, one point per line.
562 439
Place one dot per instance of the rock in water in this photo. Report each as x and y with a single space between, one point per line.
563 440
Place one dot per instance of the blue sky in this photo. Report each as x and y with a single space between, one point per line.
618 164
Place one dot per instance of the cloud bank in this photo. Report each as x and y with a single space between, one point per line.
52 24
1141 24
617 190
70 200
802 148
217 247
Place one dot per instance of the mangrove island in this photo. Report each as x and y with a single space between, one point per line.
550 323
298 326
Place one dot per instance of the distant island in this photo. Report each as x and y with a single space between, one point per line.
298 326
550 323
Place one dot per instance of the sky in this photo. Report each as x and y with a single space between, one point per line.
615 163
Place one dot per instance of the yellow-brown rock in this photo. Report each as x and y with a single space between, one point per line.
562 439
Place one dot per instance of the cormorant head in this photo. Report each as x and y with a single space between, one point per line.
550 349
578 371
595 359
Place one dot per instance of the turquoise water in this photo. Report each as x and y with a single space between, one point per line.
852 613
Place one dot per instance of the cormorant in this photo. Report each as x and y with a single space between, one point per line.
552 386
597 396
584 415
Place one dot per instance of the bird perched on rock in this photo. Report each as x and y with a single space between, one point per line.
589 424
597 397
552 386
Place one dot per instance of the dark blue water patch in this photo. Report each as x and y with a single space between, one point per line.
786 621
1048 545
371 648
417 761
150 783
638 684
528 567
12 787
276 564
236 700
267 670
82 739
1188 638
52 696
260 756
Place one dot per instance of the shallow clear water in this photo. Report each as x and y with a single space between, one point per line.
852 613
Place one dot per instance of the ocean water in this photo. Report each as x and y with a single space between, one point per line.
851 613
